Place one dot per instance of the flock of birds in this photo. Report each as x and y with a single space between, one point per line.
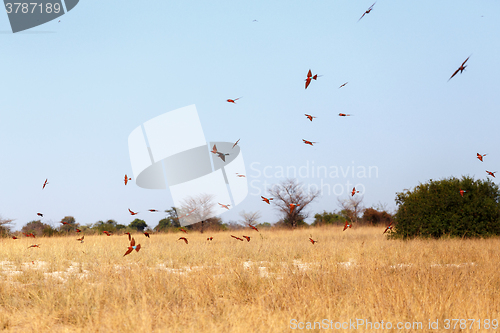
348 224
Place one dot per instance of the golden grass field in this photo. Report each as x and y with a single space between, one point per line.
257 286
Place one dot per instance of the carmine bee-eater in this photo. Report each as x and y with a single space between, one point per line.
34 245
462 192
224 206
39 214
219 154
460 69
237 238
129 237
239 175
354 191
210 238
344 115
184 239
309 117
133 213
292 207
126 179
233 100
107 233
153 210
14 237
146 234
480 157
343 85
236 143
78 230
184 231
491 173
254 228
309 77
308 142
64 223
368 10
81 239
247 238
266 199
44 184
312 240
132 247
389 227
347 225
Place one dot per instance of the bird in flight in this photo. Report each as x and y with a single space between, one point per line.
221 155
153 210
34 245
292 207
312 240
64 223
14 237
239 175
233 100
344 115
460 69
237 238
354 191
343 85
236 143
129 237
132 247
491 173
107 233
480 157
309 117
462 192
80 239
146 234
266 199
184 231
44 184
133 213
184 239
347 225
127 179
187 214
224 206
39 214
310 76
308 142
254 228
210 238
247 238
367 11
389 227
78 230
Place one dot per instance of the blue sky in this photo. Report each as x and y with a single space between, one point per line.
73 91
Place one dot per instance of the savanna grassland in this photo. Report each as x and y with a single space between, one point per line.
259 286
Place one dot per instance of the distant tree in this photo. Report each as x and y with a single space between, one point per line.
110 225
437 209
138 225
376 217
201 212
39 229
249 218
352 207
329 218
70 227
163 225
5 225
288 192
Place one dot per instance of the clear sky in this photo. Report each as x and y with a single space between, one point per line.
72 92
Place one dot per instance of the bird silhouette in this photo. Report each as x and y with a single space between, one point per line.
14 237
224 206
354 191
347 225
210 238
236 143
460 69
343 85
34 245
308 142
292 207
184 231
247 238
266 199
239 175
389 227
81 239
254 228
184 239
462 192
39 214
44 184
480 157
344 115
233 100
368 10
309 77
133 213
146 234
132 247
309 117
153 210
127 179
491 173
237 238
312 240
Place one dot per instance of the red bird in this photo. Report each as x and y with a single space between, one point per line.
236 143
247 238
64 222
354 191
292 207
309 77
14 237
389 227
127 179
132 247
237 238
233 100
210 238
344 115
153 210
254 228
45 183
462 192
129 237
266 199
312 240
107 233
34 245
80 239
238 175
146 234
224 206
460 69
132 213
78 230
368 10
31 235
347 225
309 117
480 157
184 231
491 173
308 142
219 154
39 214
343 85
184 239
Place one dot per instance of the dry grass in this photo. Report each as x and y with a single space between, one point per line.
232 286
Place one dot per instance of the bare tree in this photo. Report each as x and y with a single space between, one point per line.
291 200
196 209
352 207
250 218
5 225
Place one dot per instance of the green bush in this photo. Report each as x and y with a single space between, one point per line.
437 209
